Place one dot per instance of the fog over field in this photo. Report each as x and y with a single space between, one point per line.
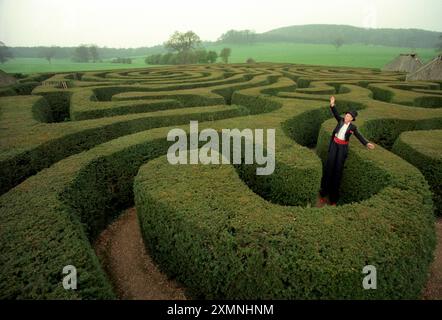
134 23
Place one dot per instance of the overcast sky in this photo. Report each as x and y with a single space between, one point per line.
136 23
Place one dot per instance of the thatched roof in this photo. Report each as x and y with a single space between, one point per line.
6 79
404 63
431 71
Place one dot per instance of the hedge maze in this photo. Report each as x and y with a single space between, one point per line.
81 147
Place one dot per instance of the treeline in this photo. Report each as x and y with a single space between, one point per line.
69 52
325 34
239 37
122 60
336 35
188 57
86 53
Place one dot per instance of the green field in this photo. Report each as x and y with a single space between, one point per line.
321 54
36 65
316 54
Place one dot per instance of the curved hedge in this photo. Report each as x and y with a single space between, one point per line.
243 247
406 95
48 147
63 183
423 150
69 193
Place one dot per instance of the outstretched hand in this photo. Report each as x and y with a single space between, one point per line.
370 146
332 101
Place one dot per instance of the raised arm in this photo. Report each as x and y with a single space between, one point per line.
333 109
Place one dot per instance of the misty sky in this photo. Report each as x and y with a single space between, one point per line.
136 23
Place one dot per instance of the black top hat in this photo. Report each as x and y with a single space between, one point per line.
353 113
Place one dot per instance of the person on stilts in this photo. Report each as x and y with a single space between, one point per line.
337 153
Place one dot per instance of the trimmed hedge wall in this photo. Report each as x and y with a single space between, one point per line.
224 247
24 88
59 106
233 247
259 243
386 131
38 237
423 150
122 109
89 188
404 94
17 168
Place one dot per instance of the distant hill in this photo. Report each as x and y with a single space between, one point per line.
312 34
325 34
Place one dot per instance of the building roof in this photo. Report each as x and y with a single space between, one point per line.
431 71
406 62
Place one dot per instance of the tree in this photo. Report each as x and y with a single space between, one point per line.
212 56
181 42
167 58
238 37
5 53
93 52
201 56
184 45
225 54
338 42
81 54
153 59
49 53
186 56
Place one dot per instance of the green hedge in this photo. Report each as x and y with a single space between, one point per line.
38 237
242 247
423 150
386 131
59 106
428 102
380 93
105 94
140 107
403 93
42 111
87 188
24 88
7 91
264 242
15 169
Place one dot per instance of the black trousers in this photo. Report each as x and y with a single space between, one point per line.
333 169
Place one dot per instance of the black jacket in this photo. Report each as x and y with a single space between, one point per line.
352 129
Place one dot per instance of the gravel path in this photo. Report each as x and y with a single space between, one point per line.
434 285
121 250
